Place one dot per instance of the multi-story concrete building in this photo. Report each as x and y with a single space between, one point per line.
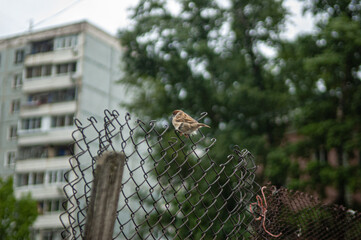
46 79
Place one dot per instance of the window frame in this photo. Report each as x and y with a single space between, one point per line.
19 56
38 71
11 129
32 123
65 68
15 106
64 120
8 163
66 42
17 81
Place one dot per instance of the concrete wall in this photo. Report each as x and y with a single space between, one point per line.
101 71
8 70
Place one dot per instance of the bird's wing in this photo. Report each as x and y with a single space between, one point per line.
186 118
187 128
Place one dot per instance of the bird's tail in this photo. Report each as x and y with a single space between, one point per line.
203 125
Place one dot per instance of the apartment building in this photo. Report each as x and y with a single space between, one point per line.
46 79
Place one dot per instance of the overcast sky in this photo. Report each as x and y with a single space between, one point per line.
110 15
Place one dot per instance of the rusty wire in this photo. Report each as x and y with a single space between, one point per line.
262 204
172 186
301 216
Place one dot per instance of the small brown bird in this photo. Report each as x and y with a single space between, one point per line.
185 124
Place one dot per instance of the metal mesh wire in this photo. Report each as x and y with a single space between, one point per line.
296 215
172 186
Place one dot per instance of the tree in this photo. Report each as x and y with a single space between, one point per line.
324 72
206 56
16 215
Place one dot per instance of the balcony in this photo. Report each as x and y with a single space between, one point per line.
43 152
52 102
49 221
56 136
55 56
47 83
42 164
35 108
41 191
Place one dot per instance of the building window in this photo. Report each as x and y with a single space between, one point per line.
66 68
32 152
15 106
50 205
38 178
13 132
52 97
38 71
44 151
22 179
31 123
42 46
53 176
66 42
32 72
17 81
33 178
19 56
57 176
63 150
46 70
62 120
10 159
51 234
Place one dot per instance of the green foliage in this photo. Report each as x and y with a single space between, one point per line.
205 59
16 215
334 8
323 71
278 163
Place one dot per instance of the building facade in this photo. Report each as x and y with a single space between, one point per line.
47 78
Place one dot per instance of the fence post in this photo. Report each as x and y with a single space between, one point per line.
102 209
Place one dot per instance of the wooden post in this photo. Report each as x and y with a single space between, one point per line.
102 209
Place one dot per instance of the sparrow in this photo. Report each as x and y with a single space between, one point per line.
185 124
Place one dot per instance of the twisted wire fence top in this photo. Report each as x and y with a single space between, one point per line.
173 187
297 215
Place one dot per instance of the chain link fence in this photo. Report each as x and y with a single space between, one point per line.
172 187
175 188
